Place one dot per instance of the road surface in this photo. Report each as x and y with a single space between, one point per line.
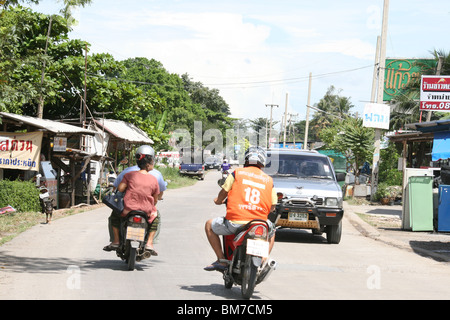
65 260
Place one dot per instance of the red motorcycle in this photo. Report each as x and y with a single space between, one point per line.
247 253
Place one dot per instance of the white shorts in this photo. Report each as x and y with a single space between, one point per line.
224 227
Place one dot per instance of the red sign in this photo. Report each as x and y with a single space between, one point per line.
435 83
435 93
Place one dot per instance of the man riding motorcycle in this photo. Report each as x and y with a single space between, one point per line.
250 196
114 219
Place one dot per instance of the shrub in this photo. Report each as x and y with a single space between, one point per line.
21 195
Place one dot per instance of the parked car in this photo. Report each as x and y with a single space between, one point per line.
308 191
192 169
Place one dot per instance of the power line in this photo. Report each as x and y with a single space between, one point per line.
250 84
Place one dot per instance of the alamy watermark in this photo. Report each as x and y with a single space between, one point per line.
212 141
374 280
74 280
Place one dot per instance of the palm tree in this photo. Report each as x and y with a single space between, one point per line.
332 106
407 102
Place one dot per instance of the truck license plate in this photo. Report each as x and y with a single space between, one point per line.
137 234
298 216
258 248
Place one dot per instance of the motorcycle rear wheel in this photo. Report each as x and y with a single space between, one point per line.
132 259
248 278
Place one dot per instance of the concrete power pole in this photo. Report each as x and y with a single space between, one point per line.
307 113
284 120
380 92
270 124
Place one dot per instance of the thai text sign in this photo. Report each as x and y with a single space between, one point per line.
435 93
20 150
376 115
400 72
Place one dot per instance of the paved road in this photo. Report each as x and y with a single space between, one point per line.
65 261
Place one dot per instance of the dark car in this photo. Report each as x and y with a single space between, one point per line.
212 163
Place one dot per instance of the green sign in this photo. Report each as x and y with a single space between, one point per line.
400 72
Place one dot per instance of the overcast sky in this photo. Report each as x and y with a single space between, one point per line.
258 51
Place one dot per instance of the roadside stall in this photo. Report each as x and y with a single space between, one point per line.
426 153
57 145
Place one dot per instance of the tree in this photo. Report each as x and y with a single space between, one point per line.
23 36
66 10
407 102
332 106
351 139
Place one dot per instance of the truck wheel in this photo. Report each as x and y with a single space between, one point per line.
334 233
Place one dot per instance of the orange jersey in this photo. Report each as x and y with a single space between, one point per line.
250 196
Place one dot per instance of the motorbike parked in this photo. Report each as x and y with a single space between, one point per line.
134 232
247 254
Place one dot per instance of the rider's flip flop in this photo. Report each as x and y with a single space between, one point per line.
216 266
111 247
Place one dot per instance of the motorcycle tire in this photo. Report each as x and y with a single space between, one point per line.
132 259
228 282
248 278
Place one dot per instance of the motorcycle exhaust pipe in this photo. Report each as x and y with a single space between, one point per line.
268 269
146 254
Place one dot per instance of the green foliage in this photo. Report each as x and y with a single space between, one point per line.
388 172
21 195
174 179
139 90
351 139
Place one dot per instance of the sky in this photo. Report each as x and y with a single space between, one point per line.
259 53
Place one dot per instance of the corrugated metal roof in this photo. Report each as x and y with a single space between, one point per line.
431 126
45 124
124 130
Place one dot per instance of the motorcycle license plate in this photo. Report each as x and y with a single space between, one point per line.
297 216
137 234
258 248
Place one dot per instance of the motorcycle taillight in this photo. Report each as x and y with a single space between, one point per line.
258 231
137 219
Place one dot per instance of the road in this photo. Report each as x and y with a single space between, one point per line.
65 260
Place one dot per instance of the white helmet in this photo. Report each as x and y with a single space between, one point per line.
143 151
255 156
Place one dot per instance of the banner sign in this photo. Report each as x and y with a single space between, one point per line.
400 72
435 93
20 150
376 115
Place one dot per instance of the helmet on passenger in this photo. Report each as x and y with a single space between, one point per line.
143 151
255 156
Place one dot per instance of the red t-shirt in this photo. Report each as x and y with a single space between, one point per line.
138 195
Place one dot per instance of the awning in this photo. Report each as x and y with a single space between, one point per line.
441 146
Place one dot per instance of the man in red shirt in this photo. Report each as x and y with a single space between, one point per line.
250 195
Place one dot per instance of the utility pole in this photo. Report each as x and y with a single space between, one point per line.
40 112
284 120
270 124
305 146
380 92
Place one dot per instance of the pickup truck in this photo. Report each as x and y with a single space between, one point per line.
193 169
308 191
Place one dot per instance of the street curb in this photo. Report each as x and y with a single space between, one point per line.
369 231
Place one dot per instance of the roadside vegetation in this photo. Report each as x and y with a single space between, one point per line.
24 197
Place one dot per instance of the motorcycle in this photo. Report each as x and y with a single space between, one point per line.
225 173
247 254
134 232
